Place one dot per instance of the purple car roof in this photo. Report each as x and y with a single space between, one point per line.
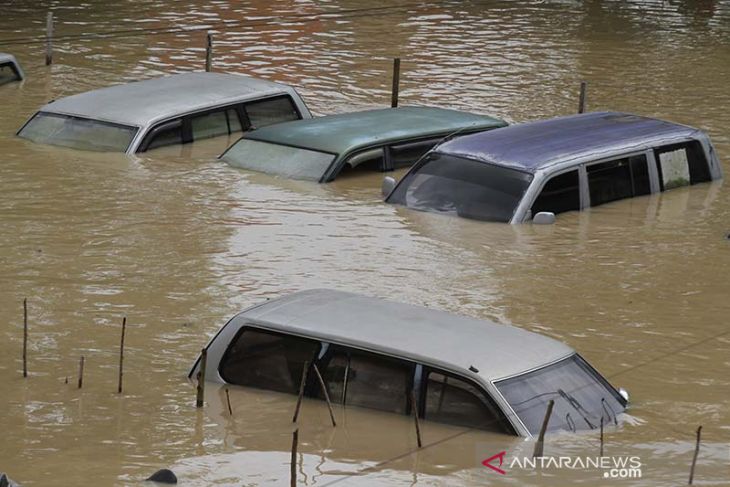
534 145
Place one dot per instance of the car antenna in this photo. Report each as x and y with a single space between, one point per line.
451 135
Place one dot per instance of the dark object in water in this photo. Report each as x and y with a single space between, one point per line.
6 482
163 476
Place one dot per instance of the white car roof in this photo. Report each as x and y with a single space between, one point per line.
416 333
142 103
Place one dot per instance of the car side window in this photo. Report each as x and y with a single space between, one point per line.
406 154
681 165
270 111
561 193
451 400
368 380
618 179
214 124
169 133
267 360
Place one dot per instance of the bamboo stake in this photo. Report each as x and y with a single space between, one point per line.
396 83
49 39
121 355
414 406
228 400
325 393
25 337
209 53
200 399
601 436
694 458
293 471
540 444
81 372
582 99
301 391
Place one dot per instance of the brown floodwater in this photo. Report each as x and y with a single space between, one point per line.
178 242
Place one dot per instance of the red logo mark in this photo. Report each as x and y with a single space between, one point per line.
488 462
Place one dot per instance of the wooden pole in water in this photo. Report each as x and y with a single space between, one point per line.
81 372
121 355
601 436
228 401
301 392
25 337
396 83
49 39
209 53
694 458
582 99
540 444
414 406
325 393
293 466
200 398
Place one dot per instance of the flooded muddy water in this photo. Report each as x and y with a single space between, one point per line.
178 242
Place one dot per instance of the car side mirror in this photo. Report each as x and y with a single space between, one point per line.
544 218
388 186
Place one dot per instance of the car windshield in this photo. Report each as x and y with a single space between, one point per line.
582 397
78 133
282 160
449 184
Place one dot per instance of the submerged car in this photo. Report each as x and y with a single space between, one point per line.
377 140
533 171
374 353
177 109
10 69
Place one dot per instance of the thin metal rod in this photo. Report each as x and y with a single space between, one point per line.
694 458
396 83
81 372
228 400
414 407
200 397
325 393
540 444
301 391
25 337
293 466
121 355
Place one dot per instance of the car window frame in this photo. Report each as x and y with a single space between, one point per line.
686 142
650 161
136 128
14 67
503 419
269 98
548 176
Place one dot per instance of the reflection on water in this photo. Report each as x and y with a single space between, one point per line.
178 242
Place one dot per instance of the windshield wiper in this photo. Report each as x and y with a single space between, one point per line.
577 406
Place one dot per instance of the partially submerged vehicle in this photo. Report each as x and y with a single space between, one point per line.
378 140
177 109
377 354
10 69
533 171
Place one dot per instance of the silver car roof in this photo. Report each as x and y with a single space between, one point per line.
5 57
426 336
142 103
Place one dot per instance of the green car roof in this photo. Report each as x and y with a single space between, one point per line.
343 133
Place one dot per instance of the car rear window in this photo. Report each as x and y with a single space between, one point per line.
8 73
582 397
78 133
282 160
449 184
